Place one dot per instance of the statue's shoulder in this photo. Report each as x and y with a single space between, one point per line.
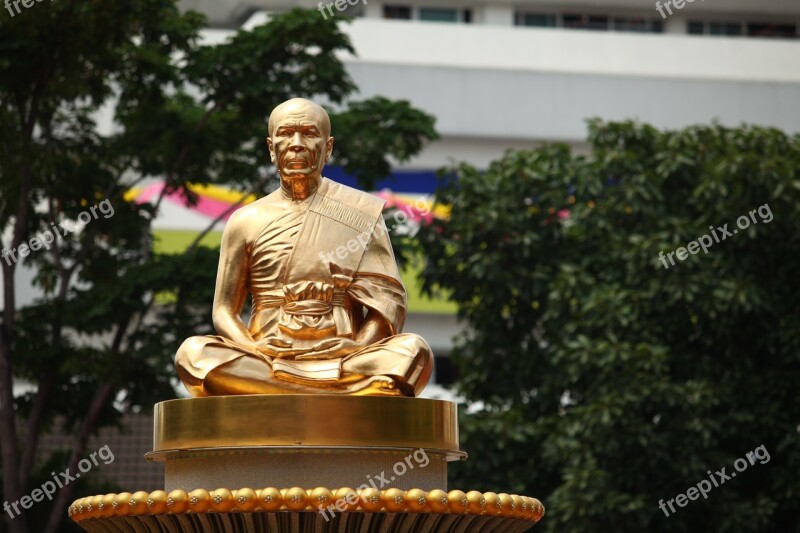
354 198
253 216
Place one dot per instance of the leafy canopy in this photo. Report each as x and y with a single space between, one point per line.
606 382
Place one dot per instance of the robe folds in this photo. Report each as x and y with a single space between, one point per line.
313 275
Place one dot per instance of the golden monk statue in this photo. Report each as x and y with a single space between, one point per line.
328 302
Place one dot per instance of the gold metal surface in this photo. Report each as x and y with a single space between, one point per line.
328 302
312 420
298 509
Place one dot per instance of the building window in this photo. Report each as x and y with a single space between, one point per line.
725 28
753 29
638 24
586 22
431 14
696 27
467 14
771 30
397 12
540 20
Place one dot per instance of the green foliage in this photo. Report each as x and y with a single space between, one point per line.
379 125
607 382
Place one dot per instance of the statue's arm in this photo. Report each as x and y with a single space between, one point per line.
231 288
373 329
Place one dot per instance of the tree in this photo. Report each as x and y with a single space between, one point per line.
101 338
603 382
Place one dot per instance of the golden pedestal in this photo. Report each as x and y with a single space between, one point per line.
291 463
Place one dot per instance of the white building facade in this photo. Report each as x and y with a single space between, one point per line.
503 75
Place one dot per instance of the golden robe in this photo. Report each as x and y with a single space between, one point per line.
312 275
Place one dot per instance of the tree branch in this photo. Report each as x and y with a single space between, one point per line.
225 213
8 435
101 398
65 495
34 425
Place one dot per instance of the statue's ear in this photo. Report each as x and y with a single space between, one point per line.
328 148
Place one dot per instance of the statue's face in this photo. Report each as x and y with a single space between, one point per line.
300 143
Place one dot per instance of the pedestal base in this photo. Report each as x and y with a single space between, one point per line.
306 441
389 454
308 468
302 522
298 511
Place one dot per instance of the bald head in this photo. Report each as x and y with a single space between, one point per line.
300 144
300 109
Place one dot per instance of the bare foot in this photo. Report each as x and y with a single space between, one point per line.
378 386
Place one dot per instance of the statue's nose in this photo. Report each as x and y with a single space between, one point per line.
297 142
297 148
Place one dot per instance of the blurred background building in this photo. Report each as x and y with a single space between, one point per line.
503 75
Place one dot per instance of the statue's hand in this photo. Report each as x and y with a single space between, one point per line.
332 349
279 348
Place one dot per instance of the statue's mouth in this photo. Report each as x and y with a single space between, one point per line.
296 163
